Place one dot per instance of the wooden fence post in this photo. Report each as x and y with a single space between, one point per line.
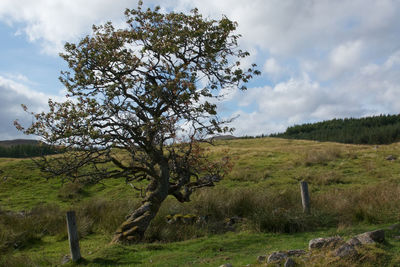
73 236
305 197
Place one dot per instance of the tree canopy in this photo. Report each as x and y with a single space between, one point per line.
143 97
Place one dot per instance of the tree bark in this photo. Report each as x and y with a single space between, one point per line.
133 228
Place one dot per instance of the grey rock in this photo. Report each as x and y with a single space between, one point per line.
397 237
346 250
289 263
277 256
324 242
394 227
226 265
65 259
354 242
372 237
233 220
391 157
261 258
296 252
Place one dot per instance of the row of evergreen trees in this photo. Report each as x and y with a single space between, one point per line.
26 150
383 129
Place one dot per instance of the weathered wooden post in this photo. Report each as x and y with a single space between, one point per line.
305 197
73 236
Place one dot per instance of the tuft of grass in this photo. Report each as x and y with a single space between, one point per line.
103 216
327 178
323 156
71 191
373 204
19 230
17 261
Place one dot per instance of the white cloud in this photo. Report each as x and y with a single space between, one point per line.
13 94
321 59
291 102
273 69
345 57
53 22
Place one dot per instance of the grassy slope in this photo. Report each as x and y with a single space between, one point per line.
276 164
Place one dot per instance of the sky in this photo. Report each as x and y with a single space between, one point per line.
319 59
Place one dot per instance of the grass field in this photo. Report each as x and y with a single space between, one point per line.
354 188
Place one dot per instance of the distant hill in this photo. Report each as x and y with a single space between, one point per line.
8 143
23 148
383 129
223 137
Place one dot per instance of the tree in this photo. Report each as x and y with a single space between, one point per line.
142 98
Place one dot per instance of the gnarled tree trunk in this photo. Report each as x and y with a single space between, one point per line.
133 228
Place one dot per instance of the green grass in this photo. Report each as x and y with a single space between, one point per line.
264 162
353 189
239 249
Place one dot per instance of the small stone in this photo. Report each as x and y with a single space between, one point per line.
346 250
394 227
354 242
391 157
277 256
296 252
226 265
261 258
372 237
232 221
324 242
289 263
397 237
65 259
17 244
